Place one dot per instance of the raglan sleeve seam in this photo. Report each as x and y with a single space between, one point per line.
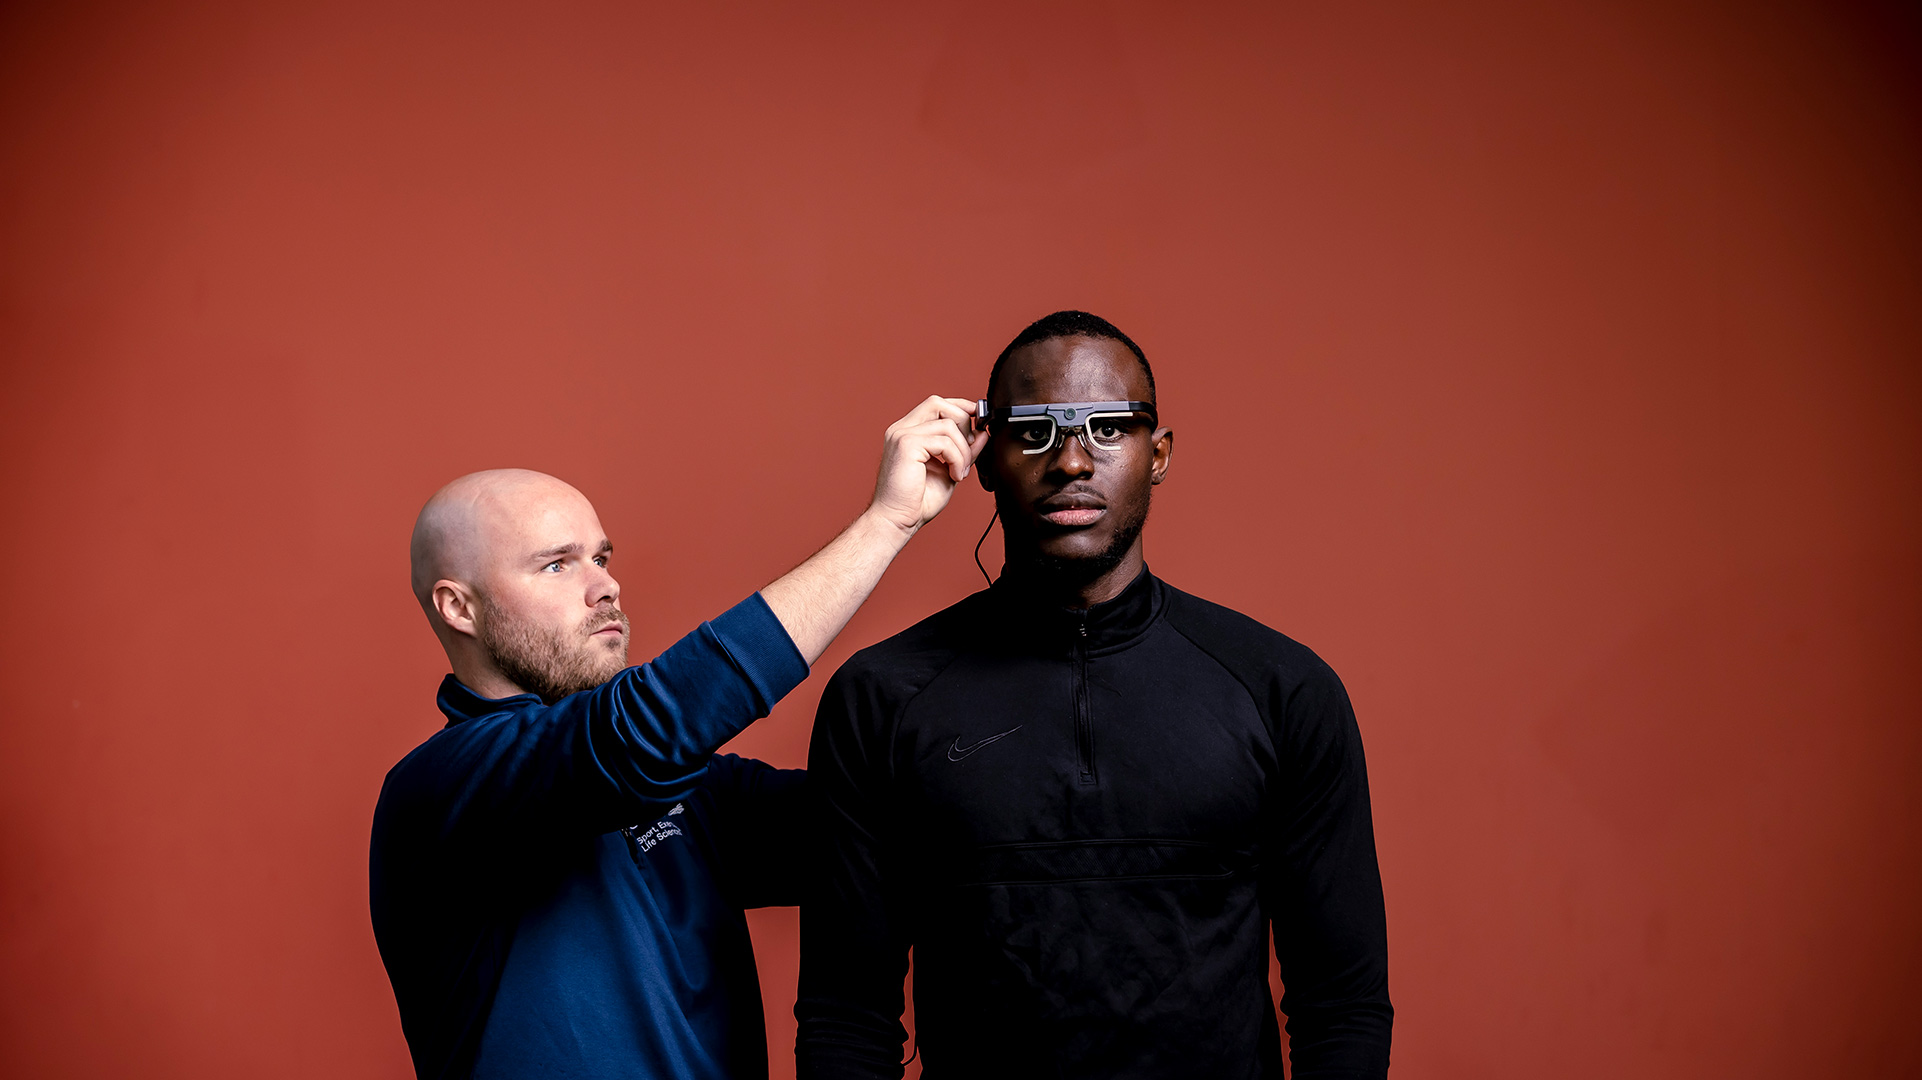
1255 698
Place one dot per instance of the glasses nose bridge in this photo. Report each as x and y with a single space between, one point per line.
1071 442
1080 434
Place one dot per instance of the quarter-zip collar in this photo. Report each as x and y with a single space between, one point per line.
460 703
1105 627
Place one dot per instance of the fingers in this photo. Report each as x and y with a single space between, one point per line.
959 410
945 440
934 439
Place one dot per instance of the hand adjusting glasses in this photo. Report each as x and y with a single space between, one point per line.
1037 429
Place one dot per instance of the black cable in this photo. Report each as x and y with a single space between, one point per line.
984 539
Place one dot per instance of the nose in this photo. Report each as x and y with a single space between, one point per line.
1071 458
602 588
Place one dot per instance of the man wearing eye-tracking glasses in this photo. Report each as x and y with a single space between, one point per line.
1083 797
557 876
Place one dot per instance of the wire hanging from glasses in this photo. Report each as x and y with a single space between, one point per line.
984 539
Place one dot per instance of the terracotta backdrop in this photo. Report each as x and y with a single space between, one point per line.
1552 370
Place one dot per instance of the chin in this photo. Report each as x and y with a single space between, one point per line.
1082 545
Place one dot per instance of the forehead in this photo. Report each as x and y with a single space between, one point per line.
1070 369
538 518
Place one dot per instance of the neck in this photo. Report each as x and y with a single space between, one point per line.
489 683
1073 586
476 673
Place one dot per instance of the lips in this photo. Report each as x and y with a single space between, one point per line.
1071 510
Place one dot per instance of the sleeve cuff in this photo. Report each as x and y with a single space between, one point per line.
761 649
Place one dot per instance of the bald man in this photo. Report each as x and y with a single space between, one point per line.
558 875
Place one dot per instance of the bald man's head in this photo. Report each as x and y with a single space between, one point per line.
467 521
511 568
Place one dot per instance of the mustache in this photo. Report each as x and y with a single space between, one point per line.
1077 494
604 618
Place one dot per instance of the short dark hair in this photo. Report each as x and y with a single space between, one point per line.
1071 324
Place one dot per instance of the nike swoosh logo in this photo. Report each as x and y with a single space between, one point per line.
957 751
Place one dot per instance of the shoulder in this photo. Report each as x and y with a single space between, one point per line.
1295 689
445 764
1262 658
446 749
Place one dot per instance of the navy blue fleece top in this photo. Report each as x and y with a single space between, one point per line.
557 889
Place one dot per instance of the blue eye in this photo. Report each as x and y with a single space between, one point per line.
555 565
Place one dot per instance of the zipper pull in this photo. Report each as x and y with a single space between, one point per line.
1084 628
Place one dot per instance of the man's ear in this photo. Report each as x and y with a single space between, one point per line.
985 474
1164 453
456 605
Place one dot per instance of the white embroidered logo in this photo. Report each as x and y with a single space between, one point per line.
640 839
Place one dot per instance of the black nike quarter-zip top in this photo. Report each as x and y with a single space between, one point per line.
1085 823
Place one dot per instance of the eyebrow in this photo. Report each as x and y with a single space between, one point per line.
547 554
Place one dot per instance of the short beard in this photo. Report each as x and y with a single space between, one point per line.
541 661
1069 573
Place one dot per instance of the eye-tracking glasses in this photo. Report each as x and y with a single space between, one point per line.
1037 429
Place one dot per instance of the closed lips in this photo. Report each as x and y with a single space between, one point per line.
1072 509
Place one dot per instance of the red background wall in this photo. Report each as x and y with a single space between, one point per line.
1552 370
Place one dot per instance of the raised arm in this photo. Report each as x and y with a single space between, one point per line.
606 757
926 453
640 740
